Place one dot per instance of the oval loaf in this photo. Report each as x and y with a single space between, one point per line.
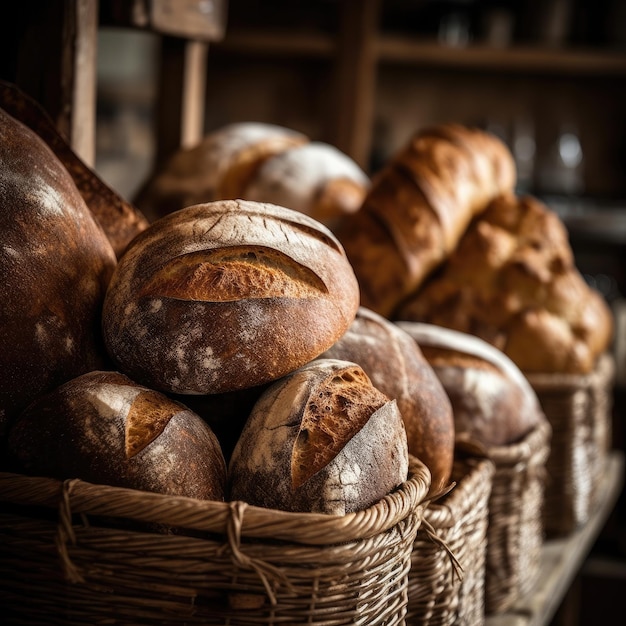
104 428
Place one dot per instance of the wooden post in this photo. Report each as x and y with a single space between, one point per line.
355 79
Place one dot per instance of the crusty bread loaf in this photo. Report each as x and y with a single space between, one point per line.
493 401
513 282
218 168
227 295
119 219
314 178
104 428
322 439
396 366
417 208
55 264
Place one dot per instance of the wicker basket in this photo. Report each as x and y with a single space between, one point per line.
63 562
515 533
579 410
446 581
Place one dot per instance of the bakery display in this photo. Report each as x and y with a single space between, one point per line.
418 207
492 400
104 428
227 295
322 439
119 219
396 366
513 282
55 265
217 168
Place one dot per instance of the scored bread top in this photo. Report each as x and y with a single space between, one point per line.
227 295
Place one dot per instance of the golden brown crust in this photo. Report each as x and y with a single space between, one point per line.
420 204
120 220
227 295
321 439
104 428
220 167
512 281
395 364
55 265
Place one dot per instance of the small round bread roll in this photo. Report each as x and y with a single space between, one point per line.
218 168
104 428
396 366
321 440
492 400
227 295
315 178
55 265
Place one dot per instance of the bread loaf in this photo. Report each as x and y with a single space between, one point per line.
492 400
103 428
119 219
227 295
218 168
314 178
55 264
322 439
513 282
417 208
396 366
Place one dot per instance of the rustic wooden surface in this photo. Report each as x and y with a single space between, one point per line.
562 558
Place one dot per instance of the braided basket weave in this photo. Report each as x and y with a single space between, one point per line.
579 409
447 577
77 553
515 533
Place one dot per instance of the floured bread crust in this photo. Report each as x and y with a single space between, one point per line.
314 178
493 401
104 428
55 265
218 168
119 219
323 440
512 281
396 366
225 296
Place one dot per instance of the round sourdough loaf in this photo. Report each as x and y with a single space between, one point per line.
492 400
396 366
218 168
55 264
104 428
227 295
322 439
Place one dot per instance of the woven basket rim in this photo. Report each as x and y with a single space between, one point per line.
559 381
79 496
479 472
522 450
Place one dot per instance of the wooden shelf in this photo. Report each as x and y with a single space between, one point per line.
399 49
562 558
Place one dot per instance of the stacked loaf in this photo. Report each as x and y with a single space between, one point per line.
229 304
442 238
261 162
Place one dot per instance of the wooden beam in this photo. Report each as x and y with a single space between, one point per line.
355 79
